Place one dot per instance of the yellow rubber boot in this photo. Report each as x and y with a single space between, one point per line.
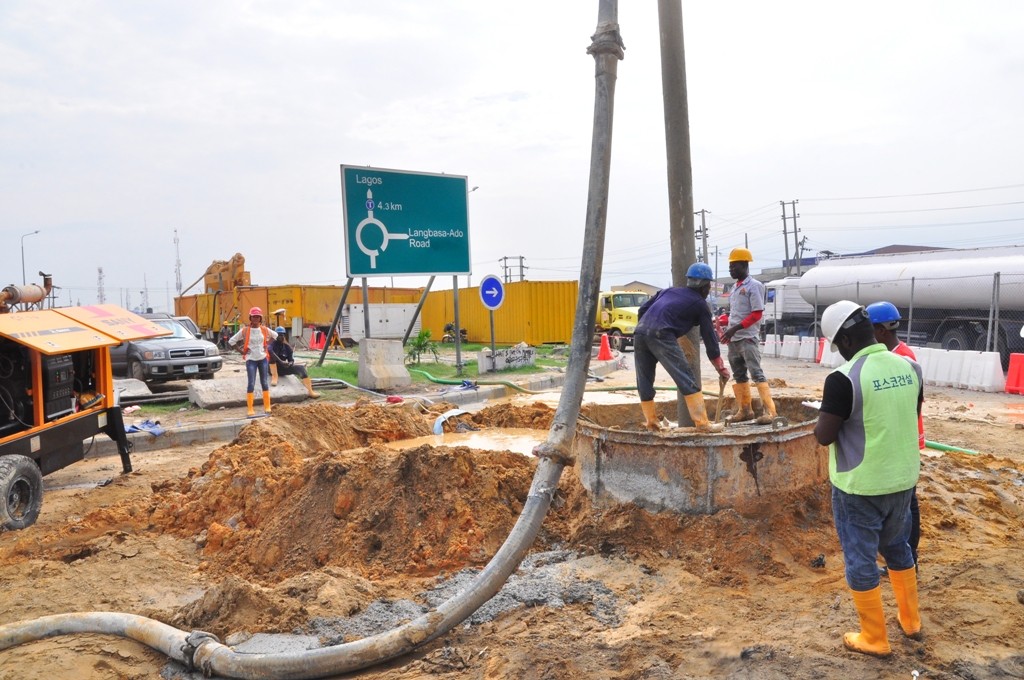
904 586
872 638
266 401
767 403
308 383
695 405
652 422
743 399
249 398
273 374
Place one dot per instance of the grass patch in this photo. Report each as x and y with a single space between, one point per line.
338 370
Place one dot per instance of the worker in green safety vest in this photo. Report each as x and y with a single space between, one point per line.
868 419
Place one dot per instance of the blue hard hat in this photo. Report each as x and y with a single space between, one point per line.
279 330
883 312
699 270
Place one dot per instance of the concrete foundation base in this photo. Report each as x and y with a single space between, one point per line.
746 467
227 392
382 365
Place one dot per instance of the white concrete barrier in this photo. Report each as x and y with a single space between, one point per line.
772 346
790 347
808 349
983 372
926 357
947 374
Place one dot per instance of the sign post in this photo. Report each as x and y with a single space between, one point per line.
492 294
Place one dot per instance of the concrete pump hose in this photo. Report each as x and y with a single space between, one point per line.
159 636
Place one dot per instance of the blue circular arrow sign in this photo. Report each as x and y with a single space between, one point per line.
492 292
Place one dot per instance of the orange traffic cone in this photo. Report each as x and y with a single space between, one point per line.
605 353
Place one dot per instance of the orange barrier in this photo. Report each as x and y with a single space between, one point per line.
605 353
1015 375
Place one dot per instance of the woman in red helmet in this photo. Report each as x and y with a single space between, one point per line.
255 339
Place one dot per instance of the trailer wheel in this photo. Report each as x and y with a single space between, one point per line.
21 492
957 339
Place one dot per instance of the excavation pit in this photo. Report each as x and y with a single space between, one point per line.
744 467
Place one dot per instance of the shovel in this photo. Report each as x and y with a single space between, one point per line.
718 405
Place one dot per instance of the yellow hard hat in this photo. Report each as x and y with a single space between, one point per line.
741 255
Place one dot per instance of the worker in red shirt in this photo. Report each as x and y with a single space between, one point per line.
886 319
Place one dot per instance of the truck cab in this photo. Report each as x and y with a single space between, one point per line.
617 315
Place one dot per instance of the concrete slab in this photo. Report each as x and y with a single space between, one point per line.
230 391
130 387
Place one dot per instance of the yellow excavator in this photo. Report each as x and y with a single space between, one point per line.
56 390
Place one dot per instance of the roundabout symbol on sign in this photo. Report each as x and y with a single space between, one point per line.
388 236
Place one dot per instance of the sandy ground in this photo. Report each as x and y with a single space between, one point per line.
310 522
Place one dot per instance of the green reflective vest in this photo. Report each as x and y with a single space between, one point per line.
876 451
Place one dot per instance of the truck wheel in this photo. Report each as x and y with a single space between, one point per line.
135 370
615 339
957 339
21 492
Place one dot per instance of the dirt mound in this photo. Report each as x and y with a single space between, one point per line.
537 416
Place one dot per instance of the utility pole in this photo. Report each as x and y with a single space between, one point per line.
504 269
785 236
522 269
100 295
716 265
796 242
177 264
703 233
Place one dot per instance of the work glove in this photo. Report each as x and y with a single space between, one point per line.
723 372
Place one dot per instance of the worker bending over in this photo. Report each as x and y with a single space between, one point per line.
282 362
867 421
663 319
746 305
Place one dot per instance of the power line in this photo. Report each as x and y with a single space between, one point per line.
919 226
890 212
931 193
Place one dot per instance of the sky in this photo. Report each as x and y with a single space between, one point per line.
123 124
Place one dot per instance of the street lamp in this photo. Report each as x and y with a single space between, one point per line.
23 281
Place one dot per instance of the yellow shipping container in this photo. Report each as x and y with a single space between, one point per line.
534 312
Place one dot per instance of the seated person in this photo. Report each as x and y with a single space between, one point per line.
282 362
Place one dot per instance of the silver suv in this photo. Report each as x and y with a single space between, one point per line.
180 356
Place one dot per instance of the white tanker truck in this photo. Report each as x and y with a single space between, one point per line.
970 299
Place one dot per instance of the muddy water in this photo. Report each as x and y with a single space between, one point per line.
516 440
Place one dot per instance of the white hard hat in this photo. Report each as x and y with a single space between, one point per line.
834 317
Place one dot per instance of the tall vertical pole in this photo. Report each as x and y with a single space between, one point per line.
606 48
796 241
366 310
458 330
785 236
703 234
677 147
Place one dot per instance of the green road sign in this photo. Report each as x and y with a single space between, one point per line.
399 222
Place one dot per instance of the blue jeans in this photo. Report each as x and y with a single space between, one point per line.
745 355
263 366
660 346
869 525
